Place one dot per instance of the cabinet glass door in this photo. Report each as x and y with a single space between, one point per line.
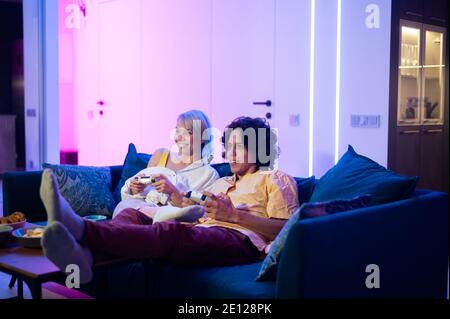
409 86
433 76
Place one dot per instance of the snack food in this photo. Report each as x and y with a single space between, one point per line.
16 217
34 232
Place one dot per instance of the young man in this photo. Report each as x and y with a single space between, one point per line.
244 212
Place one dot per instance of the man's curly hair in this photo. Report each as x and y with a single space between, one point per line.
266 139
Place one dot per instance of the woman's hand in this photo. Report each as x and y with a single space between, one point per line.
220 208
163 185
136 187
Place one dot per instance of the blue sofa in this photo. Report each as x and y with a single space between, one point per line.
324 257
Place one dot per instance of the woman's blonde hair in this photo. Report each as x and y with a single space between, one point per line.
187 120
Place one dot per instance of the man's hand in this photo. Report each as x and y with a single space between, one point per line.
185 202
220 207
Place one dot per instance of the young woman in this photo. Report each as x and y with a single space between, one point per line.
173 172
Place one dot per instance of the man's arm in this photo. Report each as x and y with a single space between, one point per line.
221 208
267 227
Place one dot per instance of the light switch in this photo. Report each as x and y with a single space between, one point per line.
294 119
31 112
365 121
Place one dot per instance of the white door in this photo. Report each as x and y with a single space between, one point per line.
119 82
152 62
108 80
242 60
176 66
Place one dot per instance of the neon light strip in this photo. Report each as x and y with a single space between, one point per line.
311 89
338 82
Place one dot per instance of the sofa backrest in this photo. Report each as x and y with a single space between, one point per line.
21 190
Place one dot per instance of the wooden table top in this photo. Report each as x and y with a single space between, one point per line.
29 262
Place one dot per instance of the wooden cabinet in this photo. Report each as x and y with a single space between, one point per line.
436 12
432 158
432 12
418 128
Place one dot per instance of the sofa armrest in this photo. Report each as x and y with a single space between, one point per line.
326 257
21 193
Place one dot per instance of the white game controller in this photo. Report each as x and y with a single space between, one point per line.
197 197
146 179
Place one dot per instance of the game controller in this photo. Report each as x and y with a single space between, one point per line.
197 197
146 179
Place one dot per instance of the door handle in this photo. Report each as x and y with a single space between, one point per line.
410 132
266 103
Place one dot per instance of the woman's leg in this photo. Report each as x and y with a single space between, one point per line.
132 216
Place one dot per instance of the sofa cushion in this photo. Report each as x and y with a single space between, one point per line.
237 282
305 187
356 175
87 189
312 210
269 266
134 162
223 169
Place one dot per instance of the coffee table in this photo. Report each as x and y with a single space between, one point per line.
29 265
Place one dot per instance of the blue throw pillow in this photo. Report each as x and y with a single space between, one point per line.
305 187
87 189
223 169
356 175
134 162
269 266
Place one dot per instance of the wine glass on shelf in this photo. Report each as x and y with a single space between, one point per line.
415 60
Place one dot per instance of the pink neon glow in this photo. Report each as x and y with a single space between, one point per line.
67 113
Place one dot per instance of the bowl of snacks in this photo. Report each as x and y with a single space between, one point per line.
95 218
29 237
15 220
5 233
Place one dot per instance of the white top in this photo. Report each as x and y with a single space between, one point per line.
196 176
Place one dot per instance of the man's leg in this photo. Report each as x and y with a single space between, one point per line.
182 243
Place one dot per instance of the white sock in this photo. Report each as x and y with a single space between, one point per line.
58 209
187 214
62 249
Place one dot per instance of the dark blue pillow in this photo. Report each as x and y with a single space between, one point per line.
134 162
355 175
223 169
270 263
305 187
